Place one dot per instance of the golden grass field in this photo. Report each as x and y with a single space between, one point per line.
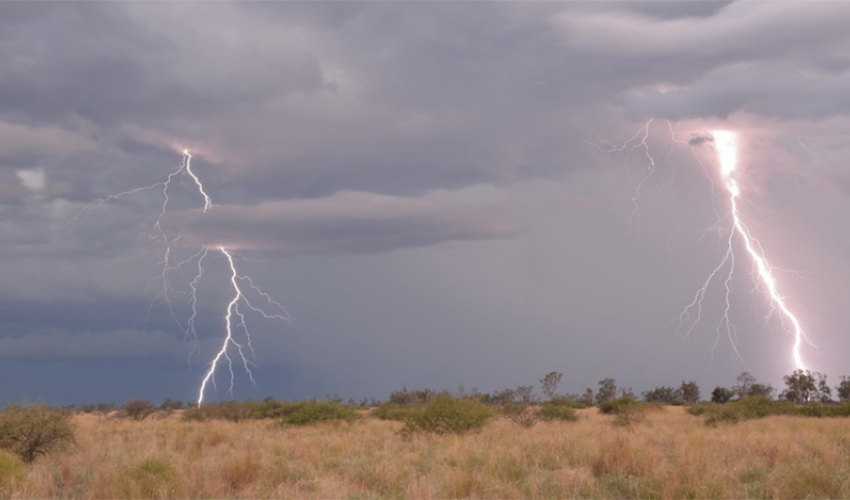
670 454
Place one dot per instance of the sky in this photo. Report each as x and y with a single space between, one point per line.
439 194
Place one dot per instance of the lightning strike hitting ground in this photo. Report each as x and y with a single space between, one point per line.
234 318
726 146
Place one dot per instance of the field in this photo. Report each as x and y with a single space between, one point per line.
670 454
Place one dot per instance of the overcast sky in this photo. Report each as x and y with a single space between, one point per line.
442 193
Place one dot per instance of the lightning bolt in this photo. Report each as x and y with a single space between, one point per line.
726 146
235 323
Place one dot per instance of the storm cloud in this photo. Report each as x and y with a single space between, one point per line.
438 192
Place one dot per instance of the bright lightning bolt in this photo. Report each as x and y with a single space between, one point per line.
726 146
238 305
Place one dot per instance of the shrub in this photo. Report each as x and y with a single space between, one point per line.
752 407
559 408
34 430
235 410
631 416
172 404
663 394
721 395
393 411
406 397
12 470
616 406
311 412
446 415
138 409
521 415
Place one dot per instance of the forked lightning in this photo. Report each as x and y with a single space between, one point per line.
726 146
234 317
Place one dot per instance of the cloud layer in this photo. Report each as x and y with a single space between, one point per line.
439 192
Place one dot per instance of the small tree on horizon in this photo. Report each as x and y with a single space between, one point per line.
549 384
842 390
688 392
721 395
607 390
587 397
804 386
138 409
800 386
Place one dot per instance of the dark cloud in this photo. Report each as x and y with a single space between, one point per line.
410 176
697 140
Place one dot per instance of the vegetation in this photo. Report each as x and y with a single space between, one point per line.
607 390
444 414
550 383
12 472
560 408
671 454
522 415
284 412
138 409
31 431
721 395
428 444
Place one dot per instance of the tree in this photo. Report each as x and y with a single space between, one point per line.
762 391
688 392
607 390
503 397
525 395
801 387
587 397
406 397
721 395
138 409
745 384
549 384
843 389
663 395
171 404
824 391
749 386
30 431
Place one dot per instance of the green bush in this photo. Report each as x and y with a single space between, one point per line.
444 414
559 408
12 471
752 407
616 406
311 412
30 431
394 411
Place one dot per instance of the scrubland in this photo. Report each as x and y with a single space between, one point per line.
669 454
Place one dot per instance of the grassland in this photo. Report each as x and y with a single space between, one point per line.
670 454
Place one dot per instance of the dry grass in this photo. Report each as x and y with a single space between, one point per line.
669 454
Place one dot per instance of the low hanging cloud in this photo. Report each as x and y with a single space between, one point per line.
347 223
